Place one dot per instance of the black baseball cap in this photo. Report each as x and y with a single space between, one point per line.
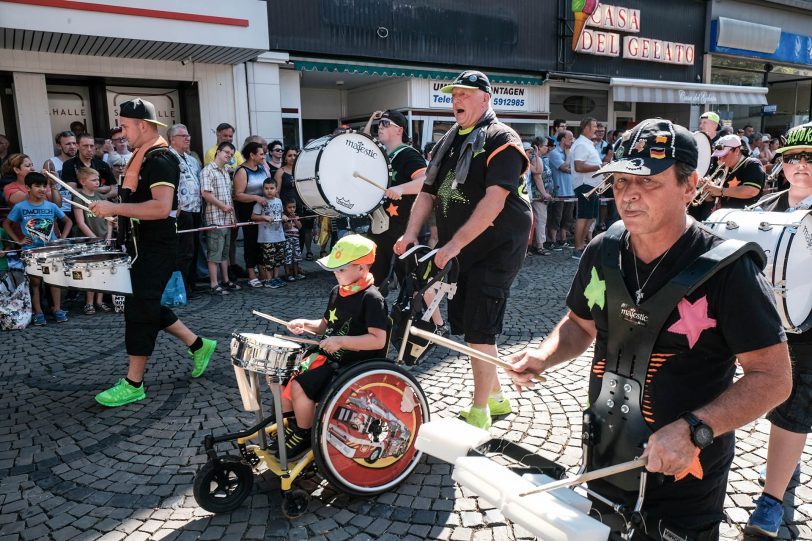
469 79
651 147
396 117
141 110
797 138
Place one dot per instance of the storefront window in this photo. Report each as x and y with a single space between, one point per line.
573 104
290 131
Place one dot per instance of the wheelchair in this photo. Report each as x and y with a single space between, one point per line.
363 437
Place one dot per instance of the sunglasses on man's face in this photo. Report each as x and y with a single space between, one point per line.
385 122
723 147
794 159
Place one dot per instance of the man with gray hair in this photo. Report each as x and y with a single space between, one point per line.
474 185
189 204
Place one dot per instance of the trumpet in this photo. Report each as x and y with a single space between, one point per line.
602 187
715 179
776 170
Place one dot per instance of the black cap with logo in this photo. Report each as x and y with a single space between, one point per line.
469 79
396 117
651 147
798 137
141 110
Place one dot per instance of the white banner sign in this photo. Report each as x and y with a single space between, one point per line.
504 98
67 104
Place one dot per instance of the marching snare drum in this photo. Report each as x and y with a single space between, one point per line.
267 355
54 252
101 271
324 174
786 238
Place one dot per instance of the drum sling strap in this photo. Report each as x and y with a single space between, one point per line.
617 429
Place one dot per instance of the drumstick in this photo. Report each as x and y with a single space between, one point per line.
451 344
79 205
588 476
297 339
277 320
356 174
68 187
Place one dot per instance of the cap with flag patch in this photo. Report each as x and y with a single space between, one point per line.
348 250
469 79
798 137
651 147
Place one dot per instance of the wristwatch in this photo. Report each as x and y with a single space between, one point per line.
701 434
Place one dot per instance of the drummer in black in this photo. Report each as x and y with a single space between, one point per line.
149 200
672 309
791 422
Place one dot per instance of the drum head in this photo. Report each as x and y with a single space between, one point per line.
797 275
344 155
266 340
366 426
703 144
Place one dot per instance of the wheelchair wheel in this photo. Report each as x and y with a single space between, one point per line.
294 503
363 437
221 486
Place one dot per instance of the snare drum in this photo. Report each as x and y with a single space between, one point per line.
324 174
54 252
101 271
786 238
267 355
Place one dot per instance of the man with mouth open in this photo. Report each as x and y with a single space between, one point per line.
474 185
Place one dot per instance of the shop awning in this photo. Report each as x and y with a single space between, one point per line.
651 91
388 70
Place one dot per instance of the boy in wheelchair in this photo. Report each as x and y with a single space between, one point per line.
354 328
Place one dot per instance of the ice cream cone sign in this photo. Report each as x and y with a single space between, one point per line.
582 10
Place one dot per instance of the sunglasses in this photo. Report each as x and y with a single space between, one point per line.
794 159
724 147
276 150
385 122
119 139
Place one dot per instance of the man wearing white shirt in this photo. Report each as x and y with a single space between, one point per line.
584 160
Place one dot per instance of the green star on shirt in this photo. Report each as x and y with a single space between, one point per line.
333 317
595 291
447 194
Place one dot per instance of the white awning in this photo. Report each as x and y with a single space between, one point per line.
651 91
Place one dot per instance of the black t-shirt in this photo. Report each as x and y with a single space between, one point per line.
406 163
70 167
353 315
693 362
750 173
160 168
288 190
800 344
501 162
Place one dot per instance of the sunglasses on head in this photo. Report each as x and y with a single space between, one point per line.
794 159
385 122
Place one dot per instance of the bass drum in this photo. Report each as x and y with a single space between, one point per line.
786 238
363 438
325 170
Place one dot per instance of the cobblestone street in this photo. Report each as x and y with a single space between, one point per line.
71 469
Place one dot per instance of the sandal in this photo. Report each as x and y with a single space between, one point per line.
232 286
309 256
104 307
88 310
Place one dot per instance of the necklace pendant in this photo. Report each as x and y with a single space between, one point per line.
638 295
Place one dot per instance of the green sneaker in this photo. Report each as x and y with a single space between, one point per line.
202 356
120 394
496 407
478 418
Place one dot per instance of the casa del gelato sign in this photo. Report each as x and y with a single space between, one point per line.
598 29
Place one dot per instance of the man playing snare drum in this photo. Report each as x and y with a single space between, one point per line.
667 341
792 420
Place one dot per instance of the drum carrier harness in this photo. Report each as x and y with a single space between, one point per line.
614 428
127 234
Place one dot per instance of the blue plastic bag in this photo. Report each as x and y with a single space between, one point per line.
175 292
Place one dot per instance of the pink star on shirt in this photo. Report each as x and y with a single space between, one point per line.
693 320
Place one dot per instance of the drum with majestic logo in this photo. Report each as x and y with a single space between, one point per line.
328 174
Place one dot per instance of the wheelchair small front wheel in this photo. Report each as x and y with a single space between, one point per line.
222 485
294 503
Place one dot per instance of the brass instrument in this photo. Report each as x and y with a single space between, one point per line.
776 170
603 186
715 179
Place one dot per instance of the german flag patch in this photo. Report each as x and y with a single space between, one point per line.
657 153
